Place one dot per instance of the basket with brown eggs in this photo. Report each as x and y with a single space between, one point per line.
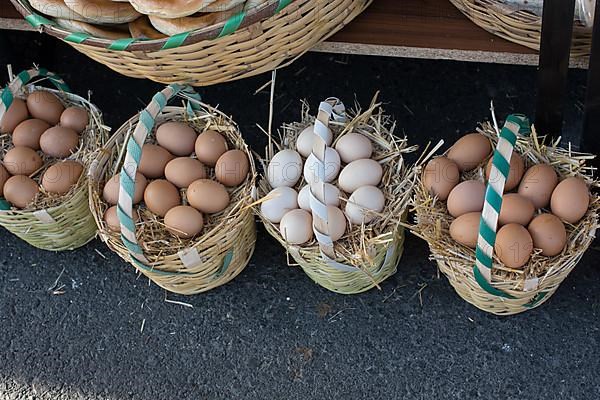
507 226
46 142
172 192
335 195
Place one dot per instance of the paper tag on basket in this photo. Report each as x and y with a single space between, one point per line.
93 170
531 284
43 216
254 193
189 257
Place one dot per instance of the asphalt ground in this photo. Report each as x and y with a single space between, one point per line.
272 333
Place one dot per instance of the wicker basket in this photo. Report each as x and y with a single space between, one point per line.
185 266
521 27
367 254
54 223
271 35
488 284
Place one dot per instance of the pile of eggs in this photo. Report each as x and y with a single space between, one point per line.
535 205
41 129
175 185
350 173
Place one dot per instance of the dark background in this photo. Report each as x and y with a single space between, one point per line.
272 333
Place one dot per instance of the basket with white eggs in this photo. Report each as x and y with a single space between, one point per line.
507 226
171 193
47 137
335 195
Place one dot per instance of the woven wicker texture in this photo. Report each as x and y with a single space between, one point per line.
64 223
227 241
267 38
367 255
521 27
541 277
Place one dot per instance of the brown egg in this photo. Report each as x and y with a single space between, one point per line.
160 196
232 168
516 209
182 171
16 113
210 145
466 197
177 137
514 245
184 221
111 218
22 161
440 177
20 190
517 168
76 118
28 133
4 175
59 142
570 200
465 229
538 183
548 233
45 106
208 196
469 151
154 160
61 177
110 192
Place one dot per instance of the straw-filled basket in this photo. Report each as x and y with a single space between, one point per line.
186 266
520 25
480 277
54 222
366 254
251 42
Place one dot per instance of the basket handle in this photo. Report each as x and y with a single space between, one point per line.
515 124
147 119
23 78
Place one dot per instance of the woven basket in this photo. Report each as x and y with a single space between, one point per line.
182 266
521 27
505 291
54 223
271 35
366 255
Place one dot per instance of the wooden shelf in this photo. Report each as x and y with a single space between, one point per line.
432 29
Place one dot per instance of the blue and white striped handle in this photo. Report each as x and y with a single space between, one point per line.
144 127
24 77
515 125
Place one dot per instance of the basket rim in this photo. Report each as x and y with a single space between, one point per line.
231 26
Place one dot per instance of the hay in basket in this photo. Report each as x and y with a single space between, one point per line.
54 222
509 291
186 266
366 254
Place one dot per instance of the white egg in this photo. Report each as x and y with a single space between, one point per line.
285 169
336 222
280 201
331 195
304 142
354 146
332 166
363 200
364 172
296 227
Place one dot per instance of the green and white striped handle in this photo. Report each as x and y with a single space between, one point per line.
230 26
11 90
514 126
144 127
